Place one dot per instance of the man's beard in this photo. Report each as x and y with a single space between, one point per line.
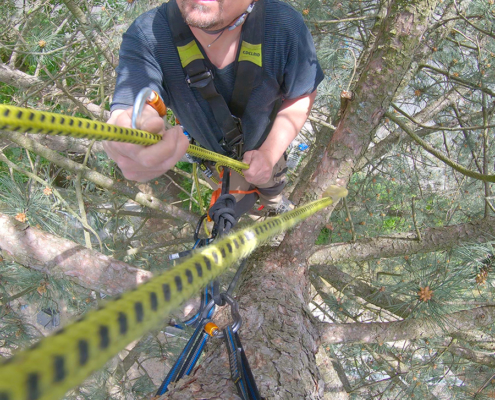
206 22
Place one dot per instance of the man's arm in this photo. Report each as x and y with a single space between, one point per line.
288 122
140 163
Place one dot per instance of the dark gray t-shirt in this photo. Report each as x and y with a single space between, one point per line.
148 57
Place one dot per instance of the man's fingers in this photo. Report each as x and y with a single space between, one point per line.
173 143
154 124
248 156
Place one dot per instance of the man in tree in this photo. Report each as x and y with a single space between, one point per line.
273 105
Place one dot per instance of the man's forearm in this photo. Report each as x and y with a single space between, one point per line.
288 122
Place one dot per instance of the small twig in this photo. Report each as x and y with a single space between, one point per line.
80 199
350 219
338 21
321 122
181 189
17 295
418 233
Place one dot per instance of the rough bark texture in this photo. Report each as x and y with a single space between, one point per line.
433 239
44 252
278 335
410 329
396 41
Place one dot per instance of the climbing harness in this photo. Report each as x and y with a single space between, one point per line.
222 212
248 72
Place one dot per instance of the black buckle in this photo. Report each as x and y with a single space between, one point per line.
200 80
232 142
232 148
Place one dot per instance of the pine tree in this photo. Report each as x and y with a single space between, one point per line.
387 295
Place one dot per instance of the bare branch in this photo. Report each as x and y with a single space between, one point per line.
50 254
381 332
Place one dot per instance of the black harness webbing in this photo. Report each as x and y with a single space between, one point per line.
248 72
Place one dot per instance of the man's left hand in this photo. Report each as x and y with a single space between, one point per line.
260 167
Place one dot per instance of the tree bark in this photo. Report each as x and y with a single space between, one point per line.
278 332
44 252
278 335
410 329
433 239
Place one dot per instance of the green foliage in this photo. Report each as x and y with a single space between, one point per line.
48 43
18 197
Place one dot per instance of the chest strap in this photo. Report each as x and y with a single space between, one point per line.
248 72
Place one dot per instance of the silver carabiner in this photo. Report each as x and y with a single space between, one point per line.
141 99
234 312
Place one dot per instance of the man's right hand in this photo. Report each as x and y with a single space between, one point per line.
140 163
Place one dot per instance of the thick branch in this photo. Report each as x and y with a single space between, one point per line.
439 155
411 329
16 78
433 239
44 252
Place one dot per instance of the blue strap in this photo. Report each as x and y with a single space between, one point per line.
187 359
240 370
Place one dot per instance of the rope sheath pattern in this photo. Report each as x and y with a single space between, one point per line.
32 121
62 361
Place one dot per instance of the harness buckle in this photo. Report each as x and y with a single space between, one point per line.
232 142
200 80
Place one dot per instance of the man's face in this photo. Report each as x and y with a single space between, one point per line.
211 14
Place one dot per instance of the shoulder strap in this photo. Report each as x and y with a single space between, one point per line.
199 76
249 69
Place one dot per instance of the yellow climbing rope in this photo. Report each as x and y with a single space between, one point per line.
32 121
61 361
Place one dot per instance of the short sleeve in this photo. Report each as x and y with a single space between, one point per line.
138 65
302 73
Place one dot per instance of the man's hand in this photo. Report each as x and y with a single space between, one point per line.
140 163
260 166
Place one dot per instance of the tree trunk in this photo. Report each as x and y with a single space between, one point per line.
279 332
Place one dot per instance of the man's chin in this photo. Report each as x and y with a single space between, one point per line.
203 22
